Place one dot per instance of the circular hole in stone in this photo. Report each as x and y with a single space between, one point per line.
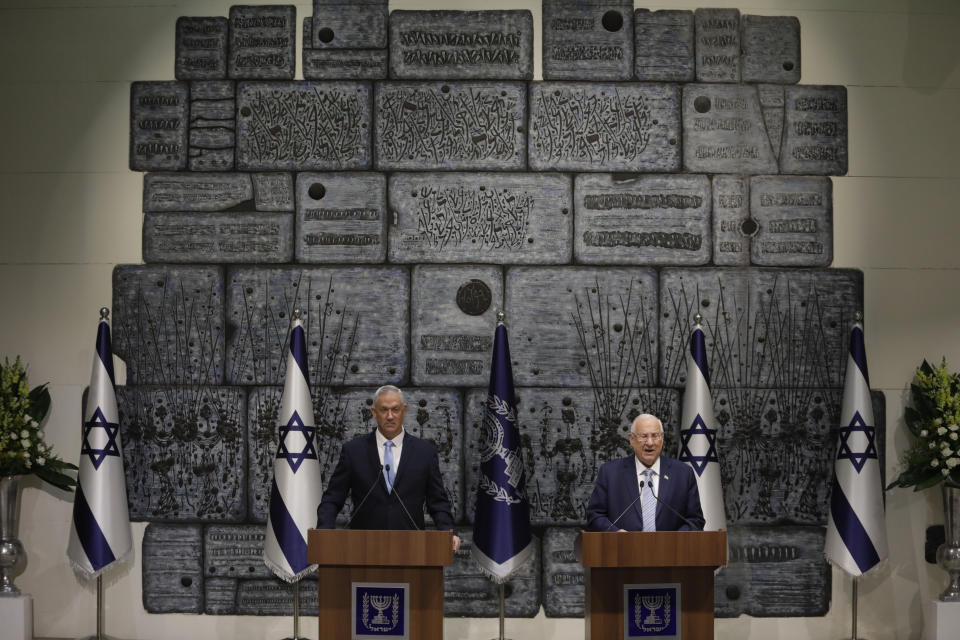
186 581
788 66
701 104
317 191
733 592
672 141
445 88
245 111
325 35
749 227
612 21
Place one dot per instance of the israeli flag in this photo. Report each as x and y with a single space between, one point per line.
501 525
856 533
698 434
296 487
100 533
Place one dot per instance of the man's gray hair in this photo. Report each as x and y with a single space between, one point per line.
646 416
388 388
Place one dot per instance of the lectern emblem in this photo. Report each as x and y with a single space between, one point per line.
651 611
380 610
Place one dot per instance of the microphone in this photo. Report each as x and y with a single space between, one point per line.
400 500
669 506
622 513
356 509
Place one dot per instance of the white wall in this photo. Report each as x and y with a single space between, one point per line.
70 210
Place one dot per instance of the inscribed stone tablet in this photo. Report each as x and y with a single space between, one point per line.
563 589
773 328
303 125
552 313
503 218
587 39
815 131
469 593
732 226
771 105
724 132
274 597
771 49
158 126
273 191
604 127
454 314
213 122
663 41
183 450
795 218
645 219
220 596
349 24
774 572
344 314
434 414
263 42
234 551
462 45
218 237
340 64
566 434
201 48
341 217
462 125
172 572
178 192
718 45
168 323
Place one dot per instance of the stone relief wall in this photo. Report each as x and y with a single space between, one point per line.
668 164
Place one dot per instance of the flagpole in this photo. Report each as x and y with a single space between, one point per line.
853 634
100 607
501 611
296 612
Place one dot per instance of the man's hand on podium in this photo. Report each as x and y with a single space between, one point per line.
456 543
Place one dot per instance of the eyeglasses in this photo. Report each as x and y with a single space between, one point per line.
647 437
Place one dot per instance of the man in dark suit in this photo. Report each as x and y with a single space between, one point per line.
614 504
389 474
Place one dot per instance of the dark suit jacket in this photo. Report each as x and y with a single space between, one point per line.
418 483
616 488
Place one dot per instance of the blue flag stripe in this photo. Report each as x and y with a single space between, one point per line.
698 349
104 351
298 348
288 536
859 352
851 530
91 537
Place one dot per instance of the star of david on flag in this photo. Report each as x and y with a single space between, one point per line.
698 433
856 538
295 490
100 531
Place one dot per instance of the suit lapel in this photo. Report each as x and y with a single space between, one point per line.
408 447
665 488
373 456
628 479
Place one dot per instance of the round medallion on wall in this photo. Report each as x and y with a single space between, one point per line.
474 297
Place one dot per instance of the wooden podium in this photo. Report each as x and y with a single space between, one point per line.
612 560
346 556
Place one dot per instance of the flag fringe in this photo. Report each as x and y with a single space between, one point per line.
485 563
83 572
868 573
284 575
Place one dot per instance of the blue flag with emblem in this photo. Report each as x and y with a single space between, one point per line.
502 541
100 532
856 533
295 490
698 433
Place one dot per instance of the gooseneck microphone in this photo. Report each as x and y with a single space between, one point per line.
356 509
400 500
622 513
669 506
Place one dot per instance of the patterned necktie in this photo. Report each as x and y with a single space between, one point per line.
648 504
389 470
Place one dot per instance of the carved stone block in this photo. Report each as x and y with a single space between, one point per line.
213 122
771 49
349 24
718 45
461 45
218 237
724 132
771 105
663 42
349 328
172 572
814 131
604 127
263 42
201 48
433 414
451 126
454 313
274 597
341 217
765 328
468 593
513 218
341 64
273 191
184 449
794 215
302 126
563 575
566 324
158 126
645 219
234 551
566 434
733 228
587 39
220 596
168 323
179 192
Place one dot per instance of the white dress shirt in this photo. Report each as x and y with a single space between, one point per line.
397 448
641 477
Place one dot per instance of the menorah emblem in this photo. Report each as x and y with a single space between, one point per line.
652 603
380 603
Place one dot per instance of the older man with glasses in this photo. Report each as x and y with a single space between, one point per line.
645 491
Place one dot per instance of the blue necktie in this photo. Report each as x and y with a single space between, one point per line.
648 504
389 471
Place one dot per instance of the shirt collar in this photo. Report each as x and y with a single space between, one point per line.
397 440
642 467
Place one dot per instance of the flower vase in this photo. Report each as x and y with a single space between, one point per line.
948 554
13 558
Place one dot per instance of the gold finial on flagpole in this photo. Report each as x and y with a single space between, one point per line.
104 313
697 318
296 313
500 316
